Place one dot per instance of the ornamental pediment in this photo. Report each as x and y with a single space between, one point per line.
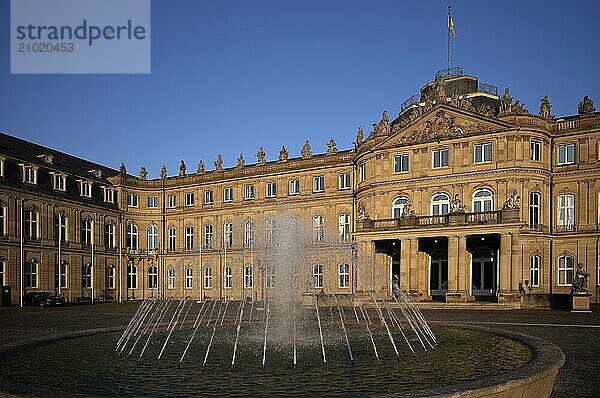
439 124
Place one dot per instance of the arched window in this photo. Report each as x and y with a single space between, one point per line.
110 277
208 236
249 233
208 278
440 204
152 238
228 234
270 230
248 279
483 200
318 228
318 275
86 276
152 277
86 232
228 277
344 275
398 206
189 238
172 239
109 235
132 237
566 269
344 227
171 278
131 276
534 280
566 212
534 210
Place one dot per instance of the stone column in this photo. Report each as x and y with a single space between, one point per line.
414 265
504 263
405 248
458 269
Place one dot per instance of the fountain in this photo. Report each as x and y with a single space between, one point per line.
296 341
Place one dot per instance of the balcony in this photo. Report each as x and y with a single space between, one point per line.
446 220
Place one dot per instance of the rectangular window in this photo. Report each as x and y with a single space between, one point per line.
248 280
189 199
31 274
189 238
566 212
319 184
59 182
29 175
208 236
63 275
249 192
172 239
132 200
401 163
440 158
31 225
228 278
566 154
271 189
152 202
3 270
171 278
172 201
362 173
228 194
344 181
109 236
318 275
109 195
566 267
534 276
208 278
536 151
344 227
344 275
189 278
483 152
208 197
3 223
86 189
534 210
228 234
295 187
86 276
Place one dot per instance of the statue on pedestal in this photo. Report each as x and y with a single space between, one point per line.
240 162
219 163
359 137
545 108
163 172
580 281
200 167
456 206
182 169
261 156
513 202
306 151
143 173
505 102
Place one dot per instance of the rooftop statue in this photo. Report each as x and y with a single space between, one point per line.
384 124
241 162
506 102
143 173
545 108
219 163
359 137
586 107
283 154
122 169
200 167
261 156
306 151
331 147
182 169
440 90
163 172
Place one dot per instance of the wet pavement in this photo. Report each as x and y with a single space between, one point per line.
577 335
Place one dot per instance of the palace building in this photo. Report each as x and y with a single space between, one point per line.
464 196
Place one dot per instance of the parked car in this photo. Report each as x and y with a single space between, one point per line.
44 299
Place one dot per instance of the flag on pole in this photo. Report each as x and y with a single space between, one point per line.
451 25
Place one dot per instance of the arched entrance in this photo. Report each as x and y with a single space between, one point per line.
483 272
438 273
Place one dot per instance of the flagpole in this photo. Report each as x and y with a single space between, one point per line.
448 40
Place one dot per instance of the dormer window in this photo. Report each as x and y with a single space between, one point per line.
47 158
96 173
85 189
60 182
29 174
108 194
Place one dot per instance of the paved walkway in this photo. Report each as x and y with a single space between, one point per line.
578 335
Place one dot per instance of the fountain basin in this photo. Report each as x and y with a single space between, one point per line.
472 361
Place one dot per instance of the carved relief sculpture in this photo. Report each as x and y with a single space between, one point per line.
586 107
440 90
331 147
283 154
219 163
513 202
362 212
261 156
456 206
143 173
306 151
182 169
200 167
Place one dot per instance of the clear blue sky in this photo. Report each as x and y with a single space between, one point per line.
229 76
